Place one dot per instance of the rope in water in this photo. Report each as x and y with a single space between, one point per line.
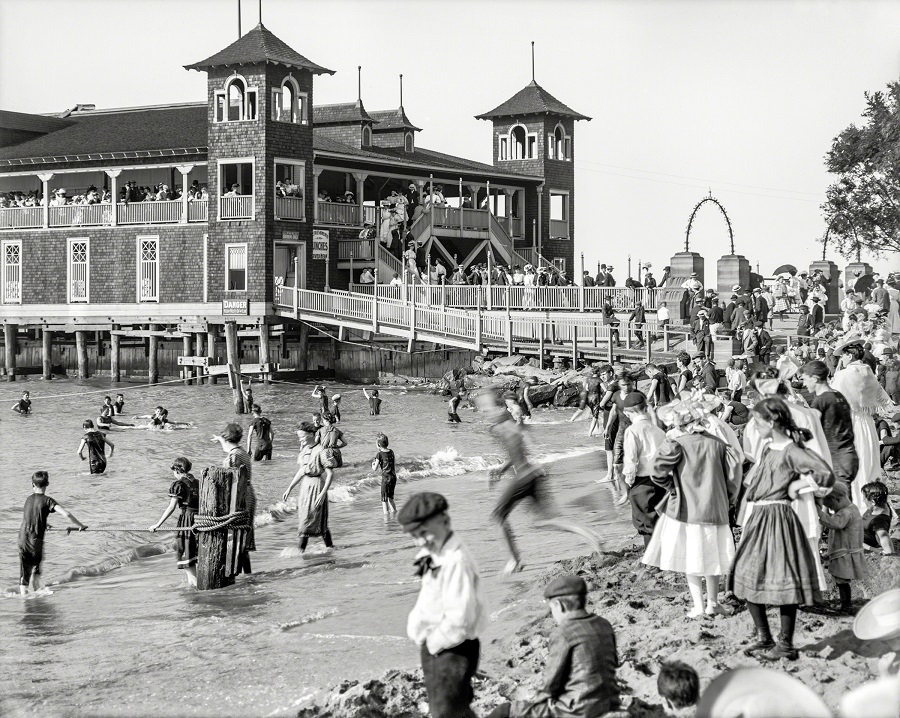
116 389
203 523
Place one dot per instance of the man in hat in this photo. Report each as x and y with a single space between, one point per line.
803 287
760 306
763 343
600 280
703 333
449 613
693 284
816 315
580 676
636 321
706 371
587 280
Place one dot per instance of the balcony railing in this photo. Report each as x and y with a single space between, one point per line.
238 207
559 228
80 215
164 212
198 210
338 213
21 217
362 249
512 225
289 208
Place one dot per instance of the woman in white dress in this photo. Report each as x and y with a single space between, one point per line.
866 397
893 318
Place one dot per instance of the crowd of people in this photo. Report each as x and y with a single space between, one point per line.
129 192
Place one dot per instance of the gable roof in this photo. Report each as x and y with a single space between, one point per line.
340 112
259 46
30 123
532 100
392 120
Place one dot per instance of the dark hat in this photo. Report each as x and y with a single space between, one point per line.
181 464
566 586
419 508
758 324
635 400
232 433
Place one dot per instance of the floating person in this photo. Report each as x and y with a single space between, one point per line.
452 409
159 419
315 480
23 405
385 461
529 481
449 614
321 394
374 401
261 428
581 672
38 508
235 458
95 442
119 403
184 494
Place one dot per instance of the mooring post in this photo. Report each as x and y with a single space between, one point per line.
264 351
81 354
211 351
153 367
9 338
115 373
200 351
47 354
234 366
212 546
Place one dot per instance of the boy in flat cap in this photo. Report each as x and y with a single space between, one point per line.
580 678
449 613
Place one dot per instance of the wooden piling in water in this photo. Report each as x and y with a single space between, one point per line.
200 351
264 348
153 366
186 349
47 354
81 355
9 338
115 341
234 366
211 352
212 546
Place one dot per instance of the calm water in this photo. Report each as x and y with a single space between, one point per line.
121 634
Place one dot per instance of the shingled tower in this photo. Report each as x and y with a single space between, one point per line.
534 133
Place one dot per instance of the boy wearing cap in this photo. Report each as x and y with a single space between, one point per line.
580 677
642 439
449 612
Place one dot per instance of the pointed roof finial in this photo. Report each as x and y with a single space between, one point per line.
359 82
260 12
532 60
239 19
401 90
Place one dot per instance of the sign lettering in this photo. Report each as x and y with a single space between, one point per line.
235 306
321 243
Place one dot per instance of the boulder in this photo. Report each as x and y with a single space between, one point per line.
567 395
541 394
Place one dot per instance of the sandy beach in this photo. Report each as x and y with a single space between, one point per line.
648 610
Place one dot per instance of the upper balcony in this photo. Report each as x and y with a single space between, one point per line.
101 214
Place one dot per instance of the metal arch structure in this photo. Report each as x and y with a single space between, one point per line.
708 198
828 233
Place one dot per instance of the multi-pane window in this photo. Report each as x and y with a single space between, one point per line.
78 274
148 269
236 267
236 102
11 272
289 104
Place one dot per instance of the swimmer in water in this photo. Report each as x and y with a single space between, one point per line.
105 420
374 401
23 405
159 419
95 442
119 403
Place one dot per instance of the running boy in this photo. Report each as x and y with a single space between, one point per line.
96 442
261 428
374 401
38 508
23 405
452 409
385 462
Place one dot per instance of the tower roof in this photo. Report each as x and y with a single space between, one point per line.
531 100
341 112
258 46
392 120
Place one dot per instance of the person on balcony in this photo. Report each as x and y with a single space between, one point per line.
588 280
518 277
649 281
610 279
367 277
600 281
349 198
235 191
396 281
59 198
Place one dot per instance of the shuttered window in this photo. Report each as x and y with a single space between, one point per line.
11 272
236 267
148 269
79 270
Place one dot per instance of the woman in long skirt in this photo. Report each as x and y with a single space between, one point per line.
701 475
774 564
314 480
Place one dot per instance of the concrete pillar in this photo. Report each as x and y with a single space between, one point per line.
115 340
832 274
153 368
682 264
81 355
47 354
732 269
9 338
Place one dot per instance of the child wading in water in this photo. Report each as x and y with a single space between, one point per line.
336 407
315 480
23 405
845 541
452 408
384 461
261 428
38 508
95 442
184 494
374 401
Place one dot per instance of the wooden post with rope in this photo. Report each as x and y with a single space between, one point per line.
234 366
223 527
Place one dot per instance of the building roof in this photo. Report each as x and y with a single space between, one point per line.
341 112
130 130
392 120
532 100
30 123
258 46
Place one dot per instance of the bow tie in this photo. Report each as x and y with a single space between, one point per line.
424 565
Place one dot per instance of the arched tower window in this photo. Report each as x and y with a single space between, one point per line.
288 103
408 142
366 136
518 141
559 145
236 101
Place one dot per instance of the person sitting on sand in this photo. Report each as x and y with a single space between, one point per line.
580 675
95 442
23 405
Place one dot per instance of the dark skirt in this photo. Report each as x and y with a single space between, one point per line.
774 564
186 541
312 520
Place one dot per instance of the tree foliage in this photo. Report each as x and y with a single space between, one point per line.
863 204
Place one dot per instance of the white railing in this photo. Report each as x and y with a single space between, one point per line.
164 212
370 214
81 215
21 217
338 213
363 249
198 210
238 207
289 208
559 228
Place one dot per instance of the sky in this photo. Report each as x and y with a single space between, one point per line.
740 99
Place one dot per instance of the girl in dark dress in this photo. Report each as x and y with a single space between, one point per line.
184 494
774 564
877 518
95 442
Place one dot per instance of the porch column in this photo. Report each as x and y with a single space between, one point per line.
114 195
508 194
45 178
521 207
185 171
540 201
473 193
360 178
316 172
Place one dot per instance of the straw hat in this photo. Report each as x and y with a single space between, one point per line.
848 340
760 693
879 618
686 411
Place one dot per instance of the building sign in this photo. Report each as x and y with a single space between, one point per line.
290 236
321 242
235 306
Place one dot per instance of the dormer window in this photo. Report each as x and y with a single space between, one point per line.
408 142
366 136
519 144
236 102
559 145
289 104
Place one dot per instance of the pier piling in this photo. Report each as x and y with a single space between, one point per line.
9 338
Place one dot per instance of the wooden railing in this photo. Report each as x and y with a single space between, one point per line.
81 215
239 207
290 208
338 213
198 210
559 228
165 212
514 226
21 217
363 249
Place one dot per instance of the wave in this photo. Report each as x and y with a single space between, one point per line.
111 563
310 618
